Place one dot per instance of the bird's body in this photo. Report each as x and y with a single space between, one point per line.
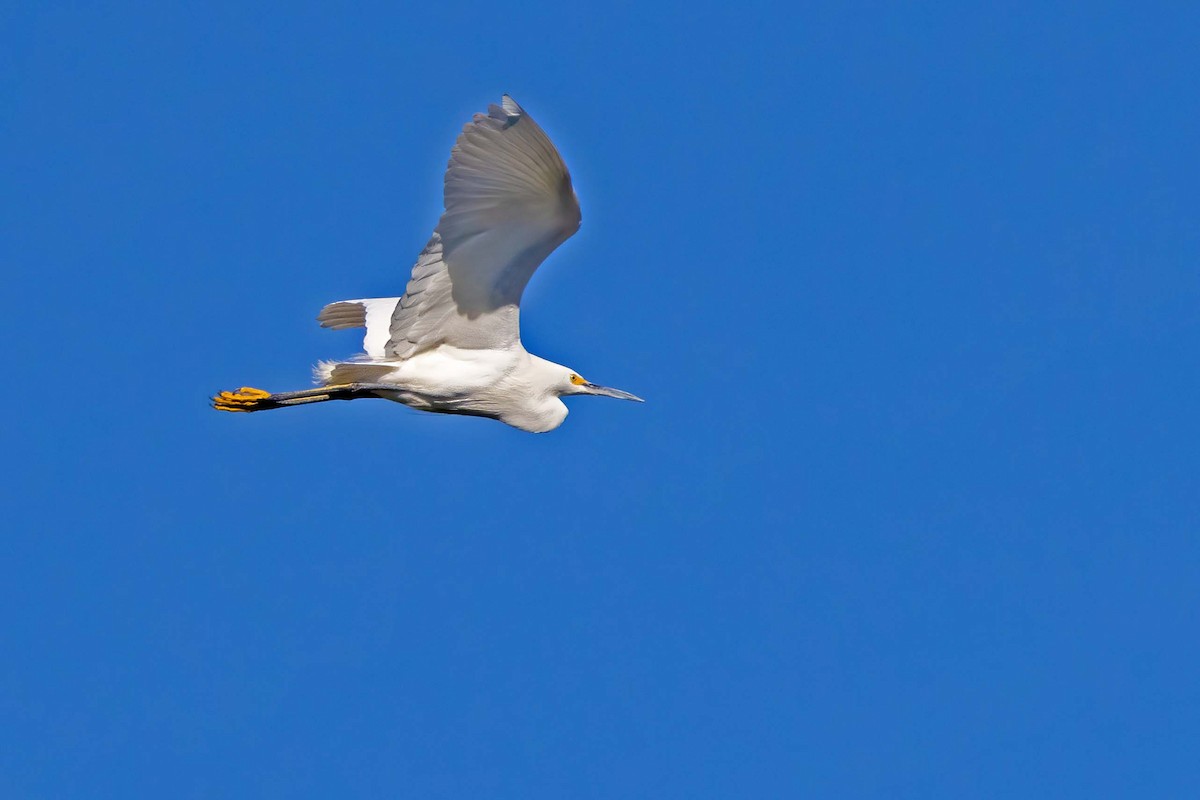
508 385
452 343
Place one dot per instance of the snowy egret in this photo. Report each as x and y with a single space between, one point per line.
452 343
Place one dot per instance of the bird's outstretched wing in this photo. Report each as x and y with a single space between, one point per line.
509 203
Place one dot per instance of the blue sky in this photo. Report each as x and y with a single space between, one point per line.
911 509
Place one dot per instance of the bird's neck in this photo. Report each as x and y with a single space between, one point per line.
542 410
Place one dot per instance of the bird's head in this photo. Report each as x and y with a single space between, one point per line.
543 385
573 383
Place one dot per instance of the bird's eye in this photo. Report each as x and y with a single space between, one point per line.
578 381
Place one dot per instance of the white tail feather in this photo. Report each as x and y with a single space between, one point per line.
323 372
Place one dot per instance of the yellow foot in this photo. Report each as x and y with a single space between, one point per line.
244 399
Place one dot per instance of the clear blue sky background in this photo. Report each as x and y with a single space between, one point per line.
911 509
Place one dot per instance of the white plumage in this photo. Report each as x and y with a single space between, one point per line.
452 343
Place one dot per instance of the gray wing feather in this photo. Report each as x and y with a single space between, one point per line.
509 204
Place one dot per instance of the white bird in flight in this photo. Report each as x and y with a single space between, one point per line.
452 343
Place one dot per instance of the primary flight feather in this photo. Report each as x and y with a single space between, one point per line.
452 343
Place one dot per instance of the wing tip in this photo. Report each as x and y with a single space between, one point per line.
343 314
508 113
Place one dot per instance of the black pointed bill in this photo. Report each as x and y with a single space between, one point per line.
604 391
